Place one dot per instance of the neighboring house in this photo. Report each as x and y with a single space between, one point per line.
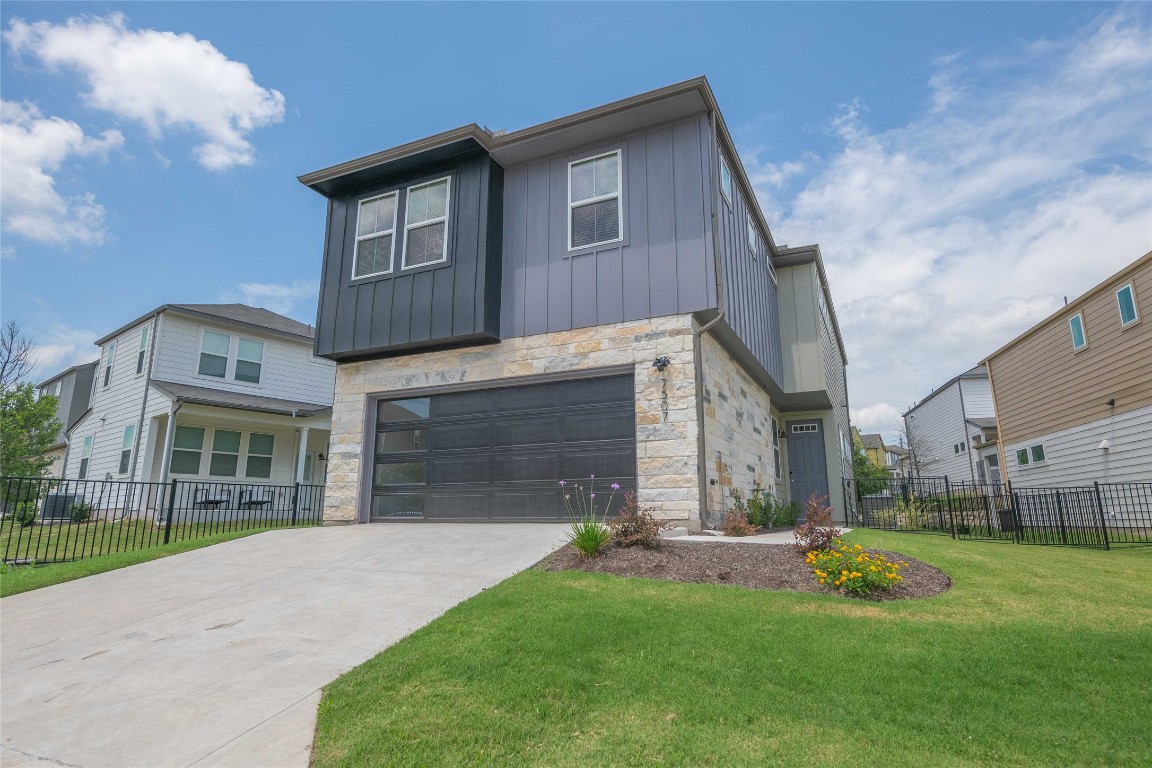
942 429
896 460
599 294
874 449
249 401
1074 393
73 390
889 457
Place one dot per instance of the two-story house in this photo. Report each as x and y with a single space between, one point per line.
206 392
596 295
1074 392
944 428
72 389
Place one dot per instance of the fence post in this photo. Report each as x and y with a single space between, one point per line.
171 510
951 513
1060 514
1103 520
295 503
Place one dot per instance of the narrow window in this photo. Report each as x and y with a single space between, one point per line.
225 453
375 230
594 202
214 354
85 457
426 224
1126 299
187 445
259 462
143 353
1076 325
776 449
1037 453
725 180
109 356
126 448
249 357
1022 457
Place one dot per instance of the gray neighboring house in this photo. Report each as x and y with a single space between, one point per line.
72 389
952 432
596 295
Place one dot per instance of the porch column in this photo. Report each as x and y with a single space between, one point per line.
169 436
303 454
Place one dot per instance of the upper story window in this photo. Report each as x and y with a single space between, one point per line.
1126 300
52 389
426 224
85 457
753 239
109 356
375 230
595 207
1076 326
249 360
141 355
725 180
214 348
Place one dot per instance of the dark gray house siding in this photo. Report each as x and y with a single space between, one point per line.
751 304
662 266
455 301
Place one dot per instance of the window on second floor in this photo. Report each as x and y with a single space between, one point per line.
1076 326
375 235
214 349
143 353
109 356
753 240
1126 300
249 360
216 357
725 180
85 457
426 224
595 208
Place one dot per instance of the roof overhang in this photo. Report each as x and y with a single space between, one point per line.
206 317
184 393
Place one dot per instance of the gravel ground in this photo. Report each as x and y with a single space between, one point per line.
757 566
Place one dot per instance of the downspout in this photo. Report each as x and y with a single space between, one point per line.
698 333
144 405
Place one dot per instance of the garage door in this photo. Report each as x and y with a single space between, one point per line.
499 454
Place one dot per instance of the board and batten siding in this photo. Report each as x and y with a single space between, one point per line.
289 370
750 295
1042 385
662 266
455 300
1073 456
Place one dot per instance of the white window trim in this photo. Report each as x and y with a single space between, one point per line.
1083 332
228 358
239 359
447 212
212 452
109 361
129 437
145 333
727 195
618 195
85 455
392 230
246 443
1031 462
1135 307
800 428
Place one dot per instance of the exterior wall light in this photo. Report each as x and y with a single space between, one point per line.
661 363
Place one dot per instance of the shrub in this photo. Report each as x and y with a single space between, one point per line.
80 512
914 513
761 507
736 524
854 570
635 525
787 515
589 535
818 531
25 514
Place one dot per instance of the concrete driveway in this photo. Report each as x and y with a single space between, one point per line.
216 657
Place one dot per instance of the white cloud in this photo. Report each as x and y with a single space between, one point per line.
60 347
296 299
1024 179
163 80
876 418
34 148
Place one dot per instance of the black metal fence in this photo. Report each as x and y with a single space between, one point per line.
1100 515
52 520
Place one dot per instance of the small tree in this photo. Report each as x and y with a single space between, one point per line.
28 428
869 477
923 455
16 358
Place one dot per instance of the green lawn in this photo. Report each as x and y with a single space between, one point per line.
14 580
1035 657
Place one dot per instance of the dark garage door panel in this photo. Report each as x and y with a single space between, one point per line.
498 454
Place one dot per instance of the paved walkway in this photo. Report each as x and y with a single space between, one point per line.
217 657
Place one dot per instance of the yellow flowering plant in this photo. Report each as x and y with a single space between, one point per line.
850 568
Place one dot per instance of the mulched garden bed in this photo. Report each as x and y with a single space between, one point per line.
757 566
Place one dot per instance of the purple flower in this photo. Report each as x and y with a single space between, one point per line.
593 495
563 483
615 486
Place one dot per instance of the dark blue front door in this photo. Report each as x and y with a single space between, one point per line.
807 467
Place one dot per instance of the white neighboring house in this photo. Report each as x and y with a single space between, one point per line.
948 430
250 402
72 389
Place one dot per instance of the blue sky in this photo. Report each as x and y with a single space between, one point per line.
962 166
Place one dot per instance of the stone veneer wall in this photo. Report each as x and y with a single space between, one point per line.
666 448
737 429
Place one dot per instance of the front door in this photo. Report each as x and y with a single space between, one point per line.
807 468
